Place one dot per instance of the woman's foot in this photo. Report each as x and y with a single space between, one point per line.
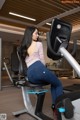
69 108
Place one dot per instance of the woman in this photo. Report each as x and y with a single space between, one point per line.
32 52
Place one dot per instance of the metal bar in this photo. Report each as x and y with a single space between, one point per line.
70 59
8 72
64 14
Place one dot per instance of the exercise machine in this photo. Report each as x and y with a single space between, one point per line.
57 42
21 81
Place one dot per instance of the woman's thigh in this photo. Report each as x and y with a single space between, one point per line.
38 73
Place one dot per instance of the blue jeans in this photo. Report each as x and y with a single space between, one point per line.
38 73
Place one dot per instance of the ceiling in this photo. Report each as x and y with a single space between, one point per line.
41 10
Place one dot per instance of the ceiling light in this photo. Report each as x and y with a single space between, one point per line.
18 15
48 24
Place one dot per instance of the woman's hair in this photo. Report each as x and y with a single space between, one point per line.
27 40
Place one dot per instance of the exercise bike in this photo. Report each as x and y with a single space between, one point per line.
57 44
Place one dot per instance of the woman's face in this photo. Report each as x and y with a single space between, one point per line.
35 35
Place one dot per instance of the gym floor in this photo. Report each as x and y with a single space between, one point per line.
11 99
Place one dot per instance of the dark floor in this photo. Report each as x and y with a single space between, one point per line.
11 99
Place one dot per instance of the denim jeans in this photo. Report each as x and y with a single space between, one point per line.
38 73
